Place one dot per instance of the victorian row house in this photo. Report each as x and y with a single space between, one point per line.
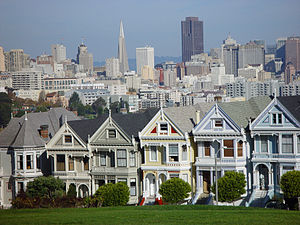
259 138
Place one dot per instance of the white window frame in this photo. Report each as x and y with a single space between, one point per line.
282 144
18 167
276 114
261 144
121 150
186 153
102 153
132 159
109 129
171 155
163 131
214 123
31 161
150 153
132 180
64 139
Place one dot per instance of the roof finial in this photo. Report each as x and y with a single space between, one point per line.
26 115
275 94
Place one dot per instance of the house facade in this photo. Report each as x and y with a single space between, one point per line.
276 150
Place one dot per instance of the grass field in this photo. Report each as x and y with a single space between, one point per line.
151 215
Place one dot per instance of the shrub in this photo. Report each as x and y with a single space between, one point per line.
72 191
174 190
290 185
111 195
230 187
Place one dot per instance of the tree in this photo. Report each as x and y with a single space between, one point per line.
72 191
290 185
5 109
112 194
99 105
42 97
48 187
174 190
230 187
74 101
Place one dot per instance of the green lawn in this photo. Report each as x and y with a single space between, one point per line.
151 215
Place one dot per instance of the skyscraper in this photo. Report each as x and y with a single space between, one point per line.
16 60
251 53
2 60
122 54
292 52
84 58
230 55
191 37
144 57
59 52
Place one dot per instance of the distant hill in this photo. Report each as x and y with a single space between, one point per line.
157 60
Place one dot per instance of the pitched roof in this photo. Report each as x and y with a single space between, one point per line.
87 127
25 133
242 111
134 122
292 104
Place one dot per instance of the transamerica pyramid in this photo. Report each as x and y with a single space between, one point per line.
122 54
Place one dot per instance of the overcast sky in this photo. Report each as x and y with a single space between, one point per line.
34 25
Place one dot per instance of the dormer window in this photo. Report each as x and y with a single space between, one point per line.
112 133
276 118
218 123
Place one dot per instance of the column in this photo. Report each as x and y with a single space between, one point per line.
211 177
34 162
127 157
156 186
198 180
167 153
234 148
144 186
54 163
115 150
279 143
295 144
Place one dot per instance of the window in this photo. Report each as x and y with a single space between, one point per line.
240 148
60 162
112 159
298 144
20 186
102 159
20 162
112 133
164 154
164 127
132 158
264 143
228 148
86 163
122 180
111 179
218 123
71 164
38 161
276 118
287 143
29 162
207 148
68 139
174 175
132 187
184 153
153 153
173 152
121 158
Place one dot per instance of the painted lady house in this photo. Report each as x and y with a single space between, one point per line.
222 136
276 150
167 149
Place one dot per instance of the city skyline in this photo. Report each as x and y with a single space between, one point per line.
35 25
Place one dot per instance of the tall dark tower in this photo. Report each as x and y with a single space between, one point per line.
191 37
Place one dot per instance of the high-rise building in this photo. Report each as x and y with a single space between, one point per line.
59 52
144 57
16 60
2 60
292 52
191 37
84 58
251 53
229 55
27 80
289 73
122 54
112 67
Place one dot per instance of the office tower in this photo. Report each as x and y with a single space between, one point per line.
84 58
122 54
280 48
147 73
191 37
260 42
292 52
229 54
2 60
289 73
251 53
59 53
144 57
112 66
27 80
16 60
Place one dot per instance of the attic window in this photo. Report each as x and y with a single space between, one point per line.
277 118
68 139
112 133
218 123
164 127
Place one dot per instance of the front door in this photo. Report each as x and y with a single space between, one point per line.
206 181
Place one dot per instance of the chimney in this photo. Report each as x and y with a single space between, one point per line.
44 131
197 116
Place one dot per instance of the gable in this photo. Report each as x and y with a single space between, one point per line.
109 133
275 116
161 125
65 137
216 121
